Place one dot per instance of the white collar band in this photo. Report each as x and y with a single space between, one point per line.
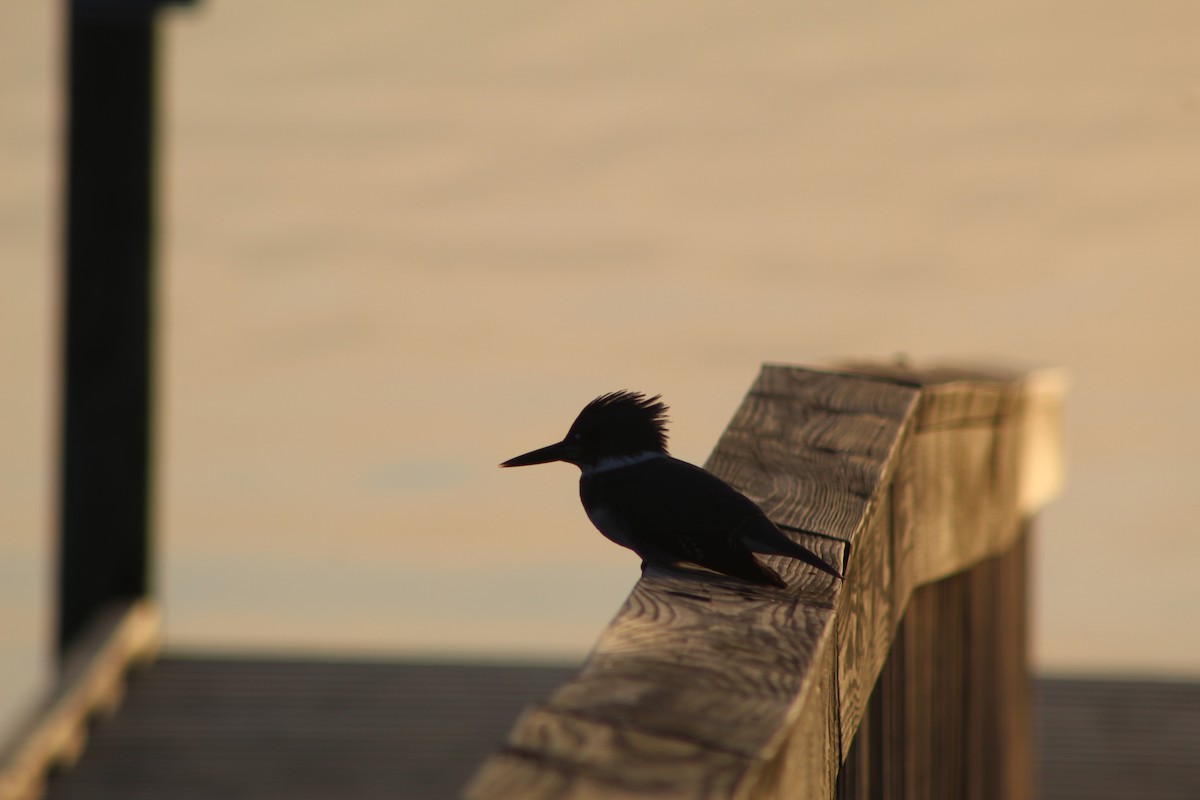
617 462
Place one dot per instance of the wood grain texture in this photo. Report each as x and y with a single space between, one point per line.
805 754
949 714
905 477
865 636
599 759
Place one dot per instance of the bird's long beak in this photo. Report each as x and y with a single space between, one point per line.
560 451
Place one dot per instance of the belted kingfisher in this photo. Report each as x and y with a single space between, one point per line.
664 509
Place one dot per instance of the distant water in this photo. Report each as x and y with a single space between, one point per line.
402 242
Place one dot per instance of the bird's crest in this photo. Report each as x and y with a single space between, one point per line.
639 421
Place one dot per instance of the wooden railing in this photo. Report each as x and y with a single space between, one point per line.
90 684
907 679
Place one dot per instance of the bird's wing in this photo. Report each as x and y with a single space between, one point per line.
676 517
752 525
700 503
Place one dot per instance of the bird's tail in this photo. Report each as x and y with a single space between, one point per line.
772 541
802 553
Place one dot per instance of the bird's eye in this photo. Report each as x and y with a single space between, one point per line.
577 437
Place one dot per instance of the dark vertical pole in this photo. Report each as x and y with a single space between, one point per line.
107 283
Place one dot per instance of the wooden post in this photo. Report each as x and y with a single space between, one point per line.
922 483
105 486
949 714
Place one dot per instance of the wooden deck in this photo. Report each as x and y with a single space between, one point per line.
204 728
1117 739
198 727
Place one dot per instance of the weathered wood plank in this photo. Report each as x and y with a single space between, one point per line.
596 758
864 636
806 753
905 477
812 448
709 659
948 717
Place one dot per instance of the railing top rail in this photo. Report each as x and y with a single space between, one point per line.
705 686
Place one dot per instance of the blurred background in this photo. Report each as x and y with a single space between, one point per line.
402 242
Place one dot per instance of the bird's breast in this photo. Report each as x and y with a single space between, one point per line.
610 524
